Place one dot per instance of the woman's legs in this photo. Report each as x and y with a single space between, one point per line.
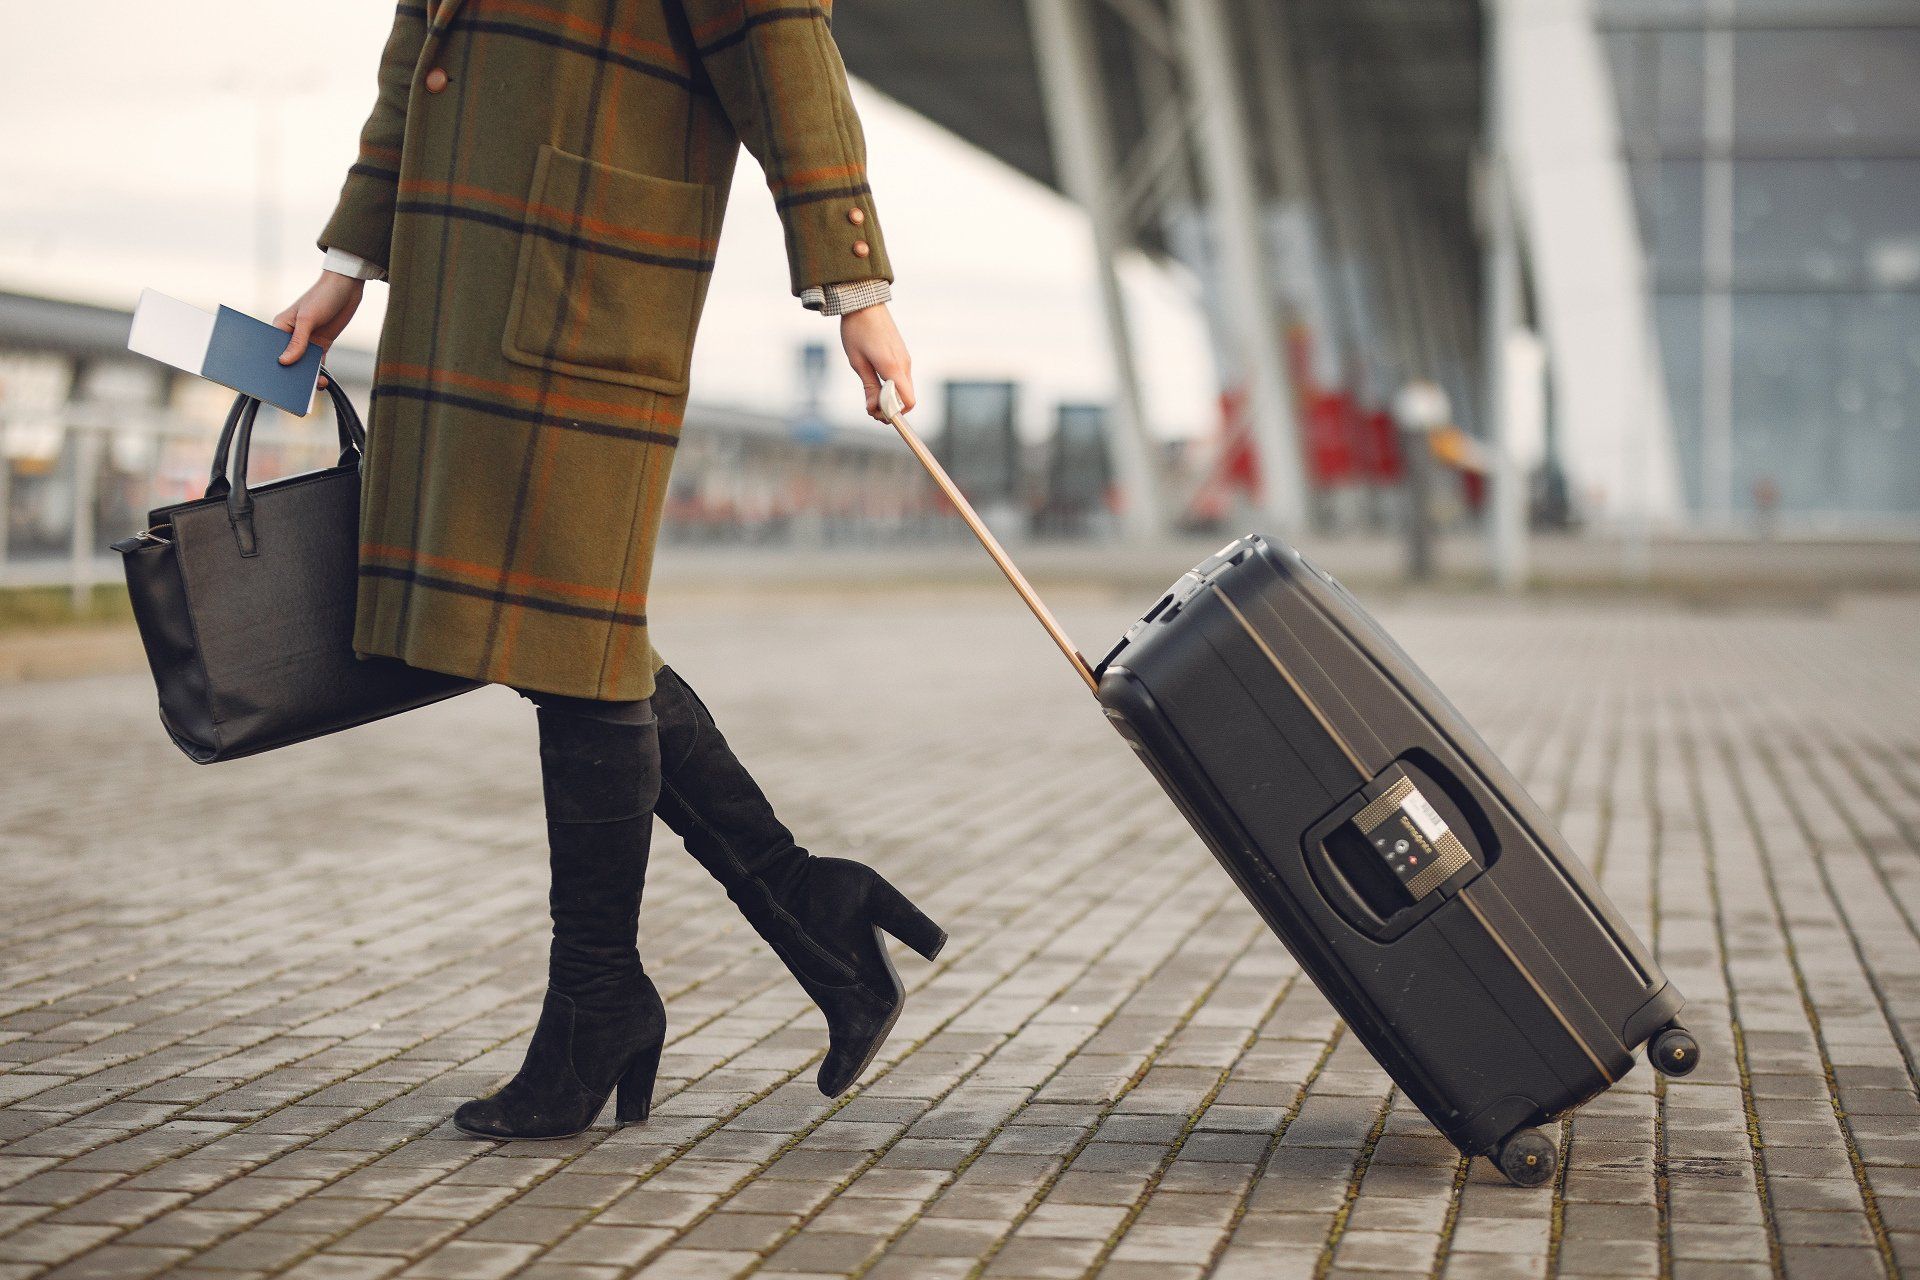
821 916
602 1023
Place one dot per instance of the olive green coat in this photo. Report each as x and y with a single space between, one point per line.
544 181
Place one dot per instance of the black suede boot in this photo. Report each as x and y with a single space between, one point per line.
821 916
603 1023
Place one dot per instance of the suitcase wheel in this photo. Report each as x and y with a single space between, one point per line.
1674 1052
1528 1158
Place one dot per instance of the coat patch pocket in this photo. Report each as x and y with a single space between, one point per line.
613 270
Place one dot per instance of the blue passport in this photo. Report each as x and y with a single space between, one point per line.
225 346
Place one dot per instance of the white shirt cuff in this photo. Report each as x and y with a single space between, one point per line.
352 264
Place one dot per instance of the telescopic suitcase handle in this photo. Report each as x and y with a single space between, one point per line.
890 405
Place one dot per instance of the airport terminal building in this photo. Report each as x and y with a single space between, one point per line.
1693 225
1657 261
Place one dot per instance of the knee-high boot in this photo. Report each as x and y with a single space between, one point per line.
821 916
602 1023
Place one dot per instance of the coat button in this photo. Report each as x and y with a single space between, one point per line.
436 80
860 249
857 216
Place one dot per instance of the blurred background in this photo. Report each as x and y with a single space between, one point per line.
1580 337
1509 292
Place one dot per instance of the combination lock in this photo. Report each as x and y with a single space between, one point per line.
1409 835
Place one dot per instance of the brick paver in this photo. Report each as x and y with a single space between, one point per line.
238 1003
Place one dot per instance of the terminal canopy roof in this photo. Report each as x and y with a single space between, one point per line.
1406 71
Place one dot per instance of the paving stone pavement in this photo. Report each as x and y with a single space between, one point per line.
238 1003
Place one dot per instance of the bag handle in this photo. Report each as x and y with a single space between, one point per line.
353 441
346 421
895 412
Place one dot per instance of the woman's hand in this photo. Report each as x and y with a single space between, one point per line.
878 354
319 314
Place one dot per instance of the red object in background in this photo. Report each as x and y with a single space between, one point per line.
1239 464
1344 443
1473 487
1325 418
1382 444
1331 456
1235 468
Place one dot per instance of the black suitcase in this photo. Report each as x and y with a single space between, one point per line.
1408 872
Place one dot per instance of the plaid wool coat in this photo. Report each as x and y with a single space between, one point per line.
544 181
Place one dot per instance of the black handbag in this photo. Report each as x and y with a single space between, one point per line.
245 603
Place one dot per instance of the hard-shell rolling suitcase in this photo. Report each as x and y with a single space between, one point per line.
1409 873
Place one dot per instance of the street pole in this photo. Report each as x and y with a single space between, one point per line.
1716 263
6 486
1420 409
1507 525
81 550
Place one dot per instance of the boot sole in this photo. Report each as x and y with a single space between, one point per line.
550 1137
503 1137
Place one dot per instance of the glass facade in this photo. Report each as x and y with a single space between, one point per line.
1775 153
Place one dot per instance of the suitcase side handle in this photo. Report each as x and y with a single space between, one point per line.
890 405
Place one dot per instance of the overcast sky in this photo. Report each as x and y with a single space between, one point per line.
133 156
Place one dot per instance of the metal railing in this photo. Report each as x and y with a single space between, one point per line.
71 486
88 476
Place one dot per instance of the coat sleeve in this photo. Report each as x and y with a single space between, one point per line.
779 78
362 221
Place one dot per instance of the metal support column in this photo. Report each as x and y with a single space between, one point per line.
1246 276
1374 372
1716 262
1416 263
1443 292
1083 152
1315 286
1500 316
1384 247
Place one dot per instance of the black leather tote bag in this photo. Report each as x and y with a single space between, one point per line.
245 602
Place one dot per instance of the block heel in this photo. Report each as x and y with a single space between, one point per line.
824 917
633 1100
578 1060
899 917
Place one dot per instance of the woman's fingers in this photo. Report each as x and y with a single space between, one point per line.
320 315
302 328
869 379
302 335
903 383
896 368
877 354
